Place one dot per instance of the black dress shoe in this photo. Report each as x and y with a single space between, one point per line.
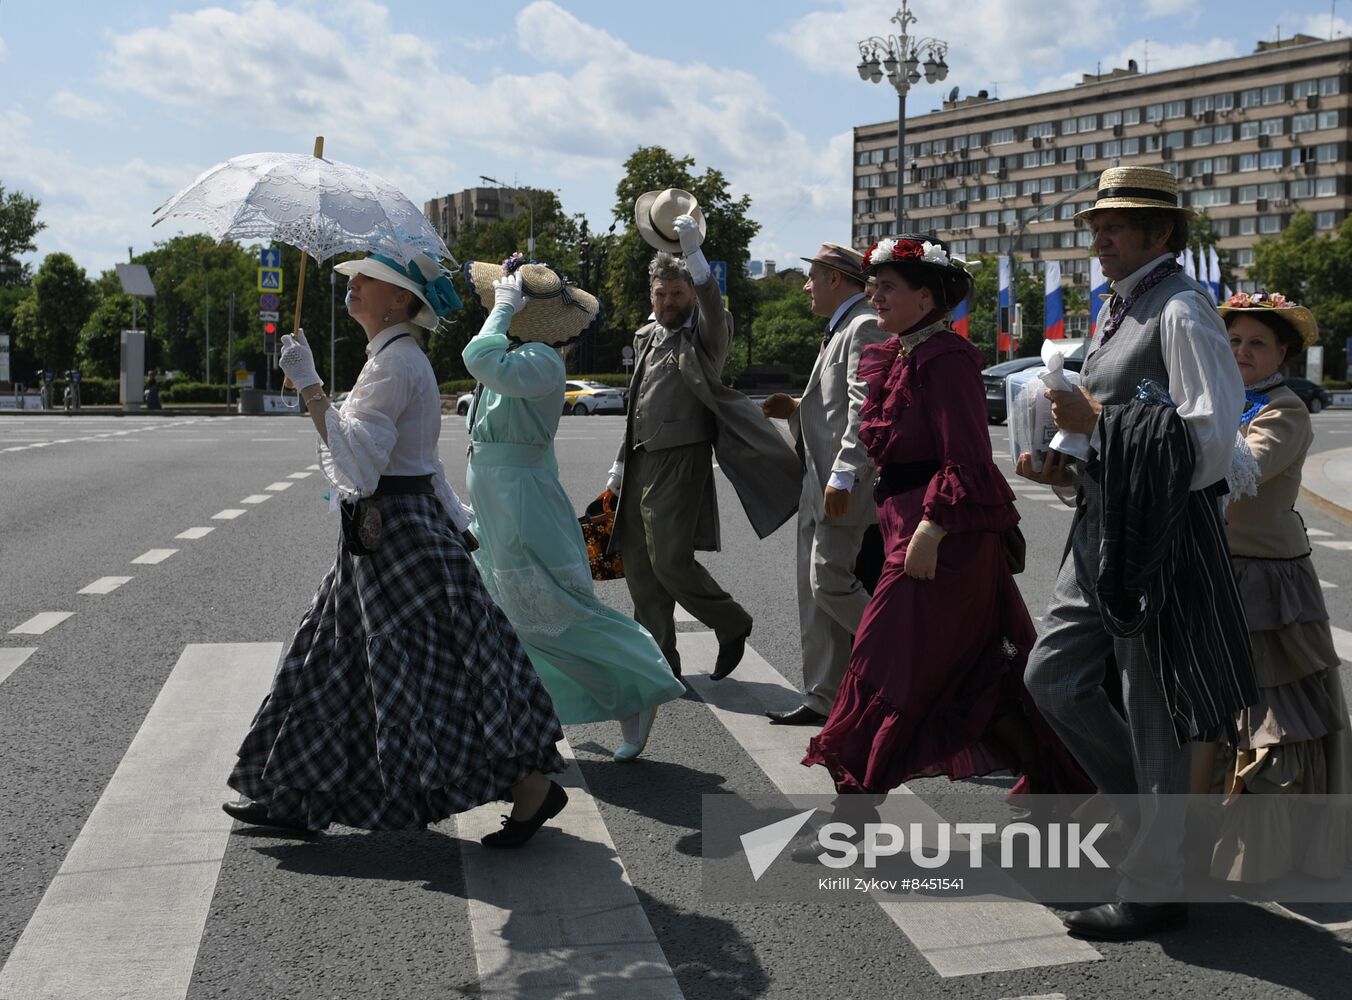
1126 921
514 833
258 814
729 655
800 716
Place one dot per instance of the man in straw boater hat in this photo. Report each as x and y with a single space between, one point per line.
836 506
680 412
1126 592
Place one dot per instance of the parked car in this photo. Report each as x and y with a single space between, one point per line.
1314 396
463 404
994 379
586 398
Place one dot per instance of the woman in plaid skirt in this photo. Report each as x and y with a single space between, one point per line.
405 695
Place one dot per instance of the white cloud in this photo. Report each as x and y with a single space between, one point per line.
1316 24
1154 56
3 49
69 105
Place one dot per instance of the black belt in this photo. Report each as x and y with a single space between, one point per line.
399 486
895 478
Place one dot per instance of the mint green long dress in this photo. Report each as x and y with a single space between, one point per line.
595 663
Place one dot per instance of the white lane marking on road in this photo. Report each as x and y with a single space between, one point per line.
1342 643
1034 494
957 939
1338 546
194 533
12 658
1318 533
41 623
299 475
548 922
1328 586
682 615
229 514
313 468
153 557
255 440
278 487
257 498
1061 507
104 585
124 915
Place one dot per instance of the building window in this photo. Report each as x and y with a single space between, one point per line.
1087 123
1173 140
1201 105
1041 130
1248 227
1131 147
992 192
1069 153
1007 216
1328 86
1154 143
909 151
1272 190
1131 116
861 158
1270 224
1250 98
1069 126
1084 237
1008 190
959 142
1328 119
1047 185
1304 88
940 146
1244 257
1201 137
1248 194
993 164
926 148
1248 130
1175 109
1225 102
1301 189
1325 187
1028 187
1271 126
1323 220
1223 133
1066 239
1271 160
1327 152
1048 157
1030 159
1111 118
1112 148
1303 123
1000 136
1154 113
1066 212
1221 227
1274 94
1089 151
1223 164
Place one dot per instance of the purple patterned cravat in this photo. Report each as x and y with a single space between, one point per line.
1118 307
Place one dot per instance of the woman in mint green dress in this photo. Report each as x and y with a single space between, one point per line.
595 663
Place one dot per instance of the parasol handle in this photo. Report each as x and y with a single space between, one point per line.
300 281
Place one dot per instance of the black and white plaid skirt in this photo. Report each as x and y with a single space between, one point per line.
405 695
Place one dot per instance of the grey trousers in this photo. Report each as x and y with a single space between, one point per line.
831 600
1133 760
658 547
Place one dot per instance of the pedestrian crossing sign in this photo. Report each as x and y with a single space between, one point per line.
269 279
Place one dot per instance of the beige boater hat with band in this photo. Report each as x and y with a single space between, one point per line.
1136 187
557 312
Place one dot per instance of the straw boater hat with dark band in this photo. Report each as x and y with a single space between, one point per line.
422 276
846 260
1277 306
1136 187
655 215
557 313
930 252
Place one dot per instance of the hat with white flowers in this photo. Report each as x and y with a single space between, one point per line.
909 251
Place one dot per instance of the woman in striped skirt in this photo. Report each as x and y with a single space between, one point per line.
405 695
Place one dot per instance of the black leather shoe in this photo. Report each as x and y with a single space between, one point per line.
800 716
1126 921
257 814
514 833
729 655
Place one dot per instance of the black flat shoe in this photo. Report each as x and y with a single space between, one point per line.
514 833
800 716
257 814
1126 921
730 654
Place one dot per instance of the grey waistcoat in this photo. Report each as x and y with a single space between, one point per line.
666 413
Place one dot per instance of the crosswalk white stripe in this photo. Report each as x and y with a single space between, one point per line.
562 915
153 557
956 938
229 514
124 915
104 585
299 475
194 533
12 658
278 487
682 615
41 623
1318 533
257 498
1342 643
1337 546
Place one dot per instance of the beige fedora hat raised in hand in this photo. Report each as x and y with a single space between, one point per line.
655 215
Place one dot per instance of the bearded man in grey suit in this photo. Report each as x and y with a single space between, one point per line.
836 505
680 415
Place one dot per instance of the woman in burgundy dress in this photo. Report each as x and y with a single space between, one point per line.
935 679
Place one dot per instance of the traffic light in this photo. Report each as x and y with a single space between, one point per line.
269 338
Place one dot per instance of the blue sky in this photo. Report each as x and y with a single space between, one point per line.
107 109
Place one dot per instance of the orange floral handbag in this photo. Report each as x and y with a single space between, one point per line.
598 524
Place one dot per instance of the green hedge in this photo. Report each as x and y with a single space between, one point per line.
619 381
1336 383
192 392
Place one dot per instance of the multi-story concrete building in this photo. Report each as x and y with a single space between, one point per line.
472 207
1250 139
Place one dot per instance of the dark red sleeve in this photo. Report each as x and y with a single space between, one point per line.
968 493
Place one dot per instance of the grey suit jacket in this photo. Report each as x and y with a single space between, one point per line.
826 422
759 463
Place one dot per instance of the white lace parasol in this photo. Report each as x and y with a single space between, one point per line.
320 206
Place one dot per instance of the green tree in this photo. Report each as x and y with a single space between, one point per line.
982 320
18 225
784 330
99 349
730 232
47 325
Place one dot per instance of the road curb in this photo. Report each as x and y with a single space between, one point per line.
1330 507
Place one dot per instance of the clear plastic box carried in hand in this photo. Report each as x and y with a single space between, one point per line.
1031 428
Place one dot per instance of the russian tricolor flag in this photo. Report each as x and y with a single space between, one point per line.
1098 288
1004 318
1054 326
960 320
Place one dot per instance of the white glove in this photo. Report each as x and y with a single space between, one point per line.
298 361
615 478
687 232
507 291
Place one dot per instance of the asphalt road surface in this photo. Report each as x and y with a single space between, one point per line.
151 569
